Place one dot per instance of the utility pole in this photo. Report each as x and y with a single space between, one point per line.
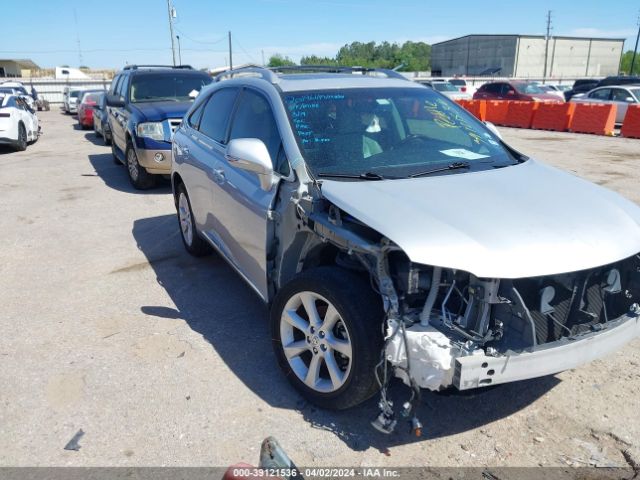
171 13
179 51
75 20
546 46
230 53
635 50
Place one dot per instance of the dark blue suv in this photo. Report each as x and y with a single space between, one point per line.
145 105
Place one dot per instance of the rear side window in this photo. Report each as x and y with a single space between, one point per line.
121 89
215 116
254 119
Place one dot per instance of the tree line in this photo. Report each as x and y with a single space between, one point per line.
410 56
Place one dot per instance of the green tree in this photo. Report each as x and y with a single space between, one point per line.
625 64
277 60
316 60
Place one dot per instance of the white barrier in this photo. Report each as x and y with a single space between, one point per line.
51 89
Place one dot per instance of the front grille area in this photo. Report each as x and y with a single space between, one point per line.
573 303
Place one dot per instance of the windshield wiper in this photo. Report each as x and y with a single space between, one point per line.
451 166
360 176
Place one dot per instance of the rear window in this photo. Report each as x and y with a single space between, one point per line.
91 98
74 93
457 82
444 87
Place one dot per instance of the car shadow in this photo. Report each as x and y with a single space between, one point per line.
115 176
92 137
217 303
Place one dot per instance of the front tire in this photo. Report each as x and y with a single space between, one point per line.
326 329
193 242
140 178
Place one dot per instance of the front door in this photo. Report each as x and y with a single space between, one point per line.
241 205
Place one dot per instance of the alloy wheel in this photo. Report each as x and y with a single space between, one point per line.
316 342
132 164
184 214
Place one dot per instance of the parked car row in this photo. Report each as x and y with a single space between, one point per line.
324 190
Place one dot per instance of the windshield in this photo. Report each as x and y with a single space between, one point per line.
444 87
167 87
393 132
528 88
74 93
636 92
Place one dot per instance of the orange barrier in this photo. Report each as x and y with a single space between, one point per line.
520 114
631 124
553 116
496 111
478 108
598 119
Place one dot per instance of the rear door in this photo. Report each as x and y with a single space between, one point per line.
241 206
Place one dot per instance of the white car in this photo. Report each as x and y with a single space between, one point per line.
557 90
447 89
18 122
619 95
15 88
462 85
70 98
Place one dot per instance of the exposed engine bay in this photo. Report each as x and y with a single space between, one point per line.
442 316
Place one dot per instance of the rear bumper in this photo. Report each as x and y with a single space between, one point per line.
481 370
147 159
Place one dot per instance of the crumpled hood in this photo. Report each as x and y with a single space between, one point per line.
521 221
159 111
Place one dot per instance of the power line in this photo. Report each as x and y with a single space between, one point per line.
253 60
222 38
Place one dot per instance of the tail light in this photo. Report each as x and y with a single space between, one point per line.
463 89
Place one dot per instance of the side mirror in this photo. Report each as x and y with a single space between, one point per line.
493 129
629 100
251 154
115 101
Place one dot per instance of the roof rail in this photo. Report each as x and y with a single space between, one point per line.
265 73
271 74
135 67
339 69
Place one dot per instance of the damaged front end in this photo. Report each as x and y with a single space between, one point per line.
466 332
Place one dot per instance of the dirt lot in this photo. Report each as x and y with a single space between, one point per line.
109 326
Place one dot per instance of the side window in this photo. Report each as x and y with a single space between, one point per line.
619 95
254 119
602 94
114 85
216 113
194 119
122 87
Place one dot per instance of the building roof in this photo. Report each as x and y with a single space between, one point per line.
529 36
22 62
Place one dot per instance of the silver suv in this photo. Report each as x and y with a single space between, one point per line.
377 218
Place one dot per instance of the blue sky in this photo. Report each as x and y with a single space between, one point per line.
115 32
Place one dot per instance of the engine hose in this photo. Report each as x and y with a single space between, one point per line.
431 298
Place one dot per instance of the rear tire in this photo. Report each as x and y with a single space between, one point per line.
193 242
140 178
21 143
114 155
331 361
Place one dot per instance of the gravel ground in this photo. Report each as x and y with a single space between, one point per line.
109 326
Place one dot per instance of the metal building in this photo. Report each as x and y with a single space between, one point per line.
523 56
